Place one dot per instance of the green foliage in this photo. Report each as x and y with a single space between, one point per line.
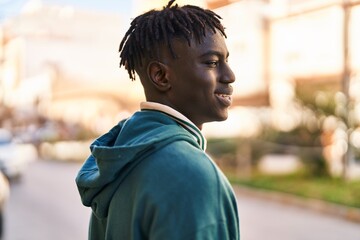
322 188
300 136
317 99
217 147
318 94
308 149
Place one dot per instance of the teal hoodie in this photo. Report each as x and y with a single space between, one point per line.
149 179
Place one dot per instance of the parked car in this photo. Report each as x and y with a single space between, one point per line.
14 157
4 194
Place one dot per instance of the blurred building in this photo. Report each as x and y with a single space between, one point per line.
299 49
64 62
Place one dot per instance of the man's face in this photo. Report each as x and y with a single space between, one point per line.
200 79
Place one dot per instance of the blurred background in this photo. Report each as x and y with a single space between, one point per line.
294 126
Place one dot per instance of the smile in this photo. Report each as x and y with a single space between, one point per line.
225 99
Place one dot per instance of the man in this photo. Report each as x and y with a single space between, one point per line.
149 177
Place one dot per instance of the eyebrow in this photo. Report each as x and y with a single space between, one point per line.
211 53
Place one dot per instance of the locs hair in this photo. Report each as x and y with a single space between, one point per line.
159 27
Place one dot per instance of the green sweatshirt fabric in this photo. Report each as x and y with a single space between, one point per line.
149 179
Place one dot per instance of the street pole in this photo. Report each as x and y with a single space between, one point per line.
345 82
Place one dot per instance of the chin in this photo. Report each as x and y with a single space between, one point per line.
216 117
222 117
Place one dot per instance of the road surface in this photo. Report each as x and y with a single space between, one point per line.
45 205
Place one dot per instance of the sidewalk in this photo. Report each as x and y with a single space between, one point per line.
348 213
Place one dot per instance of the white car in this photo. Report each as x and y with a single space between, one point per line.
14 157
4 194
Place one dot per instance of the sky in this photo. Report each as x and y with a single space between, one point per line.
10 8
115 6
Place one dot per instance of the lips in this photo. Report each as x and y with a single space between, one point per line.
224 98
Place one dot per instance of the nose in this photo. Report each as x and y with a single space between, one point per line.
227 75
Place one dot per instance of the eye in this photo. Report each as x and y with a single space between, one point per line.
212 63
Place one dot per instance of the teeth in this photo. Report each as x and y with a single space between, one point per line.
224 96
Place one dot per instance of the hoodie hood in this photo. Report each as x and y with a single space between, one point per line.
116 153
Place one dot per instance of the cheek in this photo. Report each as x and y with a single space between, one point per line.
194 82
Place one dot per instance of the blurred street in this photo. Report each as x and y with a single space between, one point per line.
45 205
261 219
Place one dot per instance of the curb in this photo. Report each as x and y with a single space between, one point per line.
348 213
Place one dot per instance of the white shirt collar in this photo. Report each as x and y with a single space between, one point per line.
179 118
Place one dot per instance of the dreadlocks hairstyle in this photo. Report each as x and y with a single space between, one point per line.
159 27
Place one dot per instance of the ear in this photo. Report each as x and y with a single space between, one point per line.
158 74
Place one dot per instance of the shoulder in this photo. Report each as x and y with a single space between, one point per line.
179 174
176 193
179 159
184 194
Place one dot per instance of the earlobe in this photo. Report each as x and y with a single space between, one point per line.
158 74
